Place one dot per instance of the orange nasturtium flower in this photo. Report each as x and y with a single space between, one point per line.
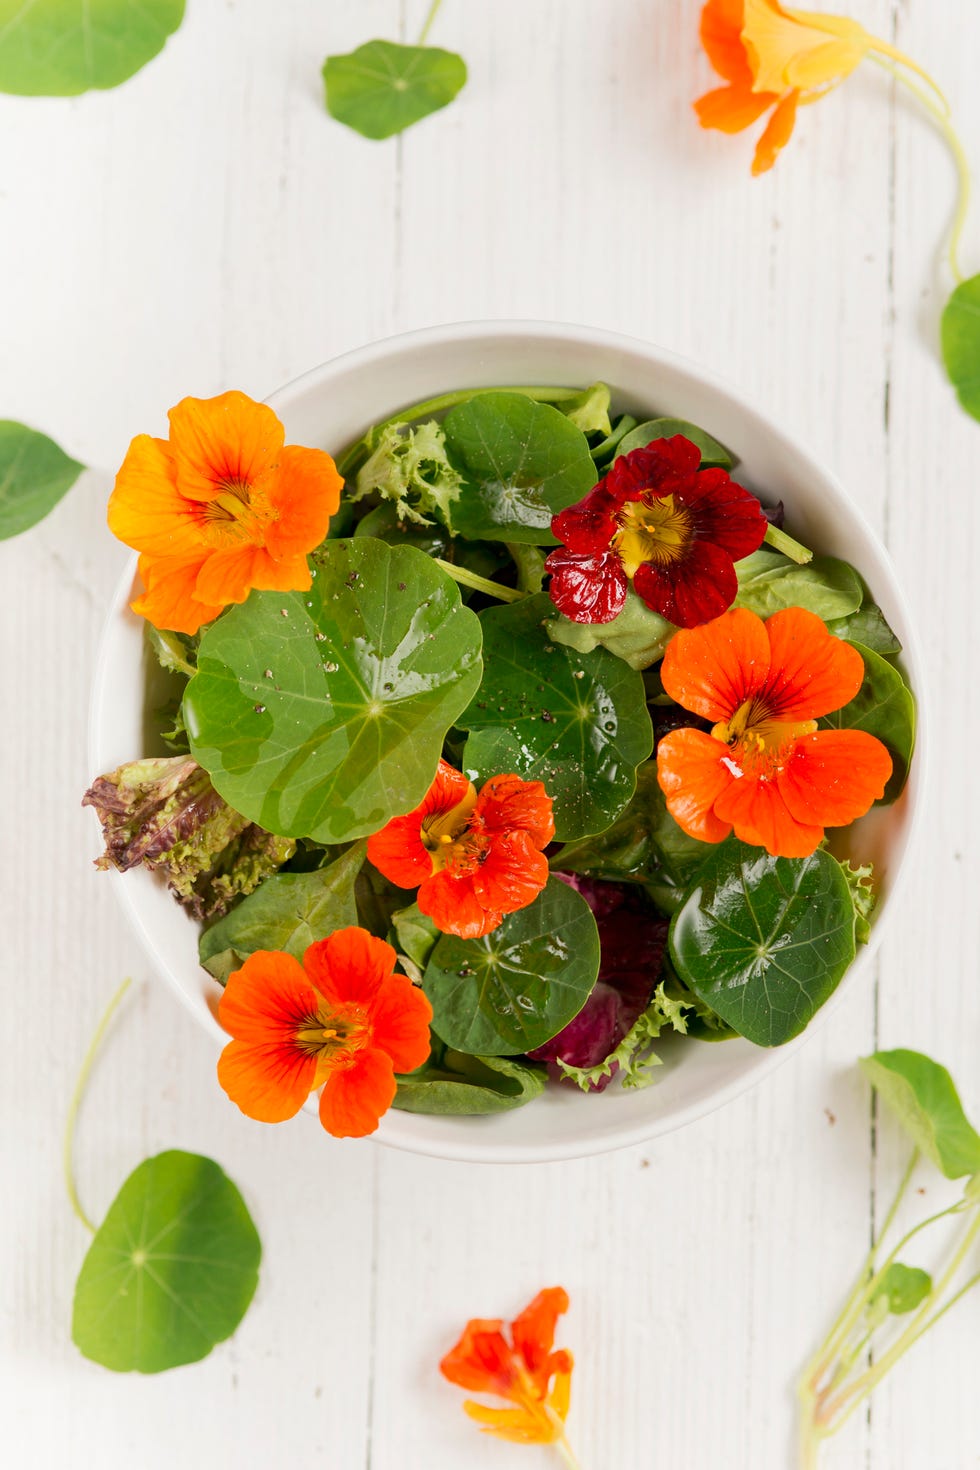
341 1020
765 770
519 1370
472 857
774 58
221 506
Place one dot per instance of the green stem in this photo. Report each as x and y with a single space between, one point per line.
467 578
779 541
940 116
429 19
76 1098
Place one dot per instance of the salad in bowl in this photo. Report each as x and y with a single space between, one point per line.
507 745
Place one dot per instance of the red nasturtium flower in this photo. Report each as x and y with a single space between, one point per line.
765 770
658 521
341 1020
519 1370
474 857
222 506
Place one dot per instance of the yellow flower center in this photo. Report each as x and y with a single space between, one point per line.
239 513
334 1037
447 838
655 529
757 742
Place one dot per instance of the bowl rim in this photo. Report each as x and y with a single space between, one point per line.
402 1130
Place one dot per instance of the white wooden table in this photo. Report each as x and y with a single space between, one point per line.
206 227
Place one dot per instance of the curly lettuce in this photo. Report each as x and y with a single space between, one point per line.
410 467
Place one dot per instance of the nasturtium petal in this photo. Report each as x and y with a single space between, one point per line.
883 707
288 911
521 463
923 1097
451 1082
520 985
714 455
34 475
58 48
578 722
764 941
171 1270
382 88
322 714
960 336
769 582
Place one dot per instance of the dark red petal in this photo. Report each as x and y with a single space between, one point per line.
587 588
588 525
692 591
724 512
653 468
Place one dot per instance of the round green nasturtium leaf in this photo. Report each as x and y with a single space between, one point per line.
713 454
764 941
382 88
903 1288
288 911
322 714
960 337
923 1097
58 48
578 722
171 1270
451 1082
768 582
521 463
884 707
518 986
34 475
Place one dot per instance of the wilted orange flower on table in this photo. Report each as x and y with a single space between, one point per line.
341 1020
765 770
221 506
519 1370
774 58
473 857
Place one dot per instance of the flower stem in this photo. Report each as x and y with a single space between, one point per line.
76 1098
779 541
429 19
479 584
567 1454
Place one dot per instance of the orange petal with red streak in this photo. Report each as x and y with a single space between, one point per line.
400 1021
509 803
760 816
834 776
453 906
228 439
146 510
270 1082
811 671
350 966
355 1098
168 599
512 873
303 496
714 669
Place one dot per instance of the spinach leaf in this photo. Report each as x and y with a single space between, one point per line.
415 934
382 88
58 48
322 714
577 722
868 627
518 986
288 911
521 463
769 582
713 454
637 635
34 475
764 941
171 1270
884 707
453 1082
923 1097
960 336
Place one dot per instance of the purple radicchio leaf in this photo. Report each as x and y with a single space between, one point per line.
632 939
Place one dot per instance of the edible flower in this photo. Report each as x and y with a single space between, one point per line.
765 770
775 59
221 506
519 1370
341 1020
473 857
658 521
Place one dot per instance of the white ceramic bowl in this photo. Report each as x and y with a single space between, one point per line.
334 404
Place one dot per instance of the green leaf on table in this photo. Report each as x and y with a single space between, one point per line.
171 1270
518 986
884 707
769 582
960 336
322 714
58 48
713 454
34 475
288 911
764 941
637 635
451 1082
924 1099
903 1288
521 463
577 722
382 88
